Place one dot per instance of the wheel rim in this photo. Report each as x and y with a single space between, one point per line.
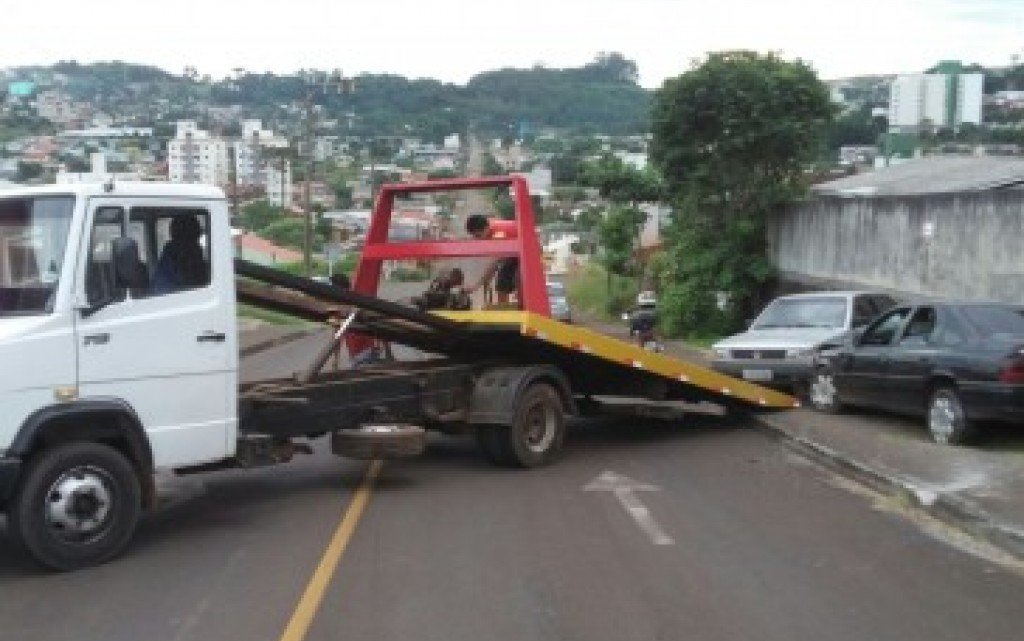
540 427
943 417
79 504
823 390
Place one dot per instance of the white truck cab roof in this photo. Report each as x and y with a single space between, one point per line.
135 189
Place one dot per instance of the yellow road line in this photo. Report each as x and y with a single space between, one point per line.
308 605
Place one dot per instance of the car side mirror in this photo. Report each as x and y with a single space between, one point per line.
860 321
856 336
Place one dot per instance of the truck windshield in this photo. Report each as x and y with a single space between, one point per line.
803 312
33 236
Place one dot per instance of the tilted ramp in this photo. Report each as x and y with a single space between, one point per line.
596 364
607 364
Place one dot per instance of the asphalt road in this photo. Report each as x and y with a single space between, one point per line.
762 546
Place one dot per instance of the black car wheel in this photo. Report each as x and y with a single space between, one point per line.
947 421
822 393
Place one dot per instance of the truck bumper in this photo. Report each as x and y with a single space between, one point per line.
771 373
10 469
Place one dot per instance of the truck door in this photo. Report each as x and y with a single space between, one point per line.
164 343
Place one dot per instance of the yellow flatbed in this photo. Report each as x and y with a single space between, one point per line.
625 358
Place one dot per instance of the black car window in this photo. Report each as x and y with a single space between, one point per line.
883 303
882 331
950 331
863 311
921 325
995 319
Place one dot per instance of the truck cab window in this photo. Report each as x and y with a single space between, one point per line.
177 247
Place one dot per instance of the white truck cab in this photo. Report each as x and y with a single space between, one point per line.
118 355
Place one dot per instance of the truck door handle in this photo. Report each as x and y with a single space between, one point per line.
211 337
96 339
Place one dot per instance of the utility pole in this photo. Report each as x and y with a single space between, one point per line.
307 247
316 81
233 160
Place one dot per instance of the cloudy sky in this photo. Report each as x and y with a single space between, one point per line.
453 39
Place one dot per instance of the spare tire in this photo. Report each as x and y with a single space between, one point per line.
379 441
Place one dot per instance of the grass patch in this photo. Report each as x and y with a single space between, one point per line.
592 292
267 316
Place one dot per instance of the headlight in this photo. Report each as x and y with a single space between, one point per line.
800 354
722 353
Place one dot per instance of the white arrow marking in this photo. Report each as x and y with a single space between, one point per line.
625 490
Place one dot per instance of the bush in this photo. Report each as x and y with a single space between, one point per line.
592 292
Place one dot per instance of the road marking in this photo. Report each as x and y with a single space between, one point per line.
308 605
625 489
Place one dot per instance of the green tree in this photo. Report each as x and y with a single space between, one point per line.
257 215
617 232
622 183
29 171
732 138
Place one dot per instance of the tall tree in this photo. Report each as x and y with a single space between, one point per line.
732 138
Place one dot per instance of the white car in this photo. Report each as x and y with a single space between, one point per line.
779 347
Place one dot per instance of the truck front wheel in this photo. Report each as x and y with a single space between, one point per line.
76 505
536 434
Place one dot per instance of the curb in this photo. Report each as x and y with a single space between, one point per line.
959 513
263 346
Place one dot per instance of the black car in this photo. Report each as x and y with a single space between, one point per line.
954 363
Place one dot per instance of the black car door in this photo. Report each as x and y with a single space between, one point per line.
862 379
912 359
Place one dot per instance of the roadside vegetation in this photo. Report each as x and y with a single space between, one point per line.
597 293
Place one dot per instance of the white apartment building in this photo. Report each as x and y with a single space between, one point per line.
938 100
194 156
249 151
279 187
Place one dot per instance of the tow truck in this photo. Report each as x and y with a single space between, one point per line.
120 357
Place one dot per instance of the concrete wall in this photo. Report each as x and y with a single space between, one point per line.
968 246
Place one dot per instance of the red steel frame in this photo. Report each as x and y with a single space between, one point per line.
525 245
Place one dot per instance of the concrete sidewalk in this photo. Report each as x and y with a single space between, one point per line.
977 489
258 336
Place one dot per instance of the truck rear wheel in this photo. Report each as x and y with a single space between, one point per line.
536 434
76 505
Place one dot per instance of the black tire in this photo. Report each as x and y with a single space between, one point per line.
490 438
822 393
537 432
76 505
947 422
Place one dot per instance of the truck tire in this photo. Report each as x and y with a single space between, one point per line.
76 505
536 434
379 442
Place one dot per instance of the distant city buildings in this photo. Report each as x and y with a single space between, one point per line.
277 184
948 98
194 156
